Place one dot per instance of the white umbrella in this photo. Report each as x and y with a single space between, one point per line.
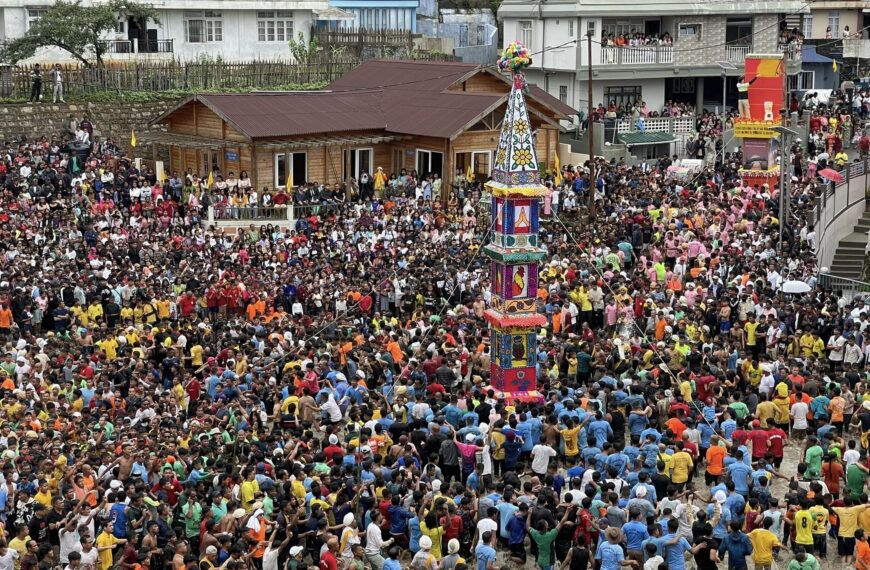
795 287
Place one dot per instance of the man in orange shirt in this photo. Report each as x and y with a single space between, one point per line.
715 459
5 320
862 552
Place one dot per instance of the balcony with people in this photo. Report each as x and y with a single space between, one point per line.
637 49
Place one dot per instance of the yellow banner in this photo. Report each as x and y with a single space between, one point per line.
753 131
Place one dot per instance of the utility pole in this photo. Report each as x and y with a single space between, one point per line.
592 175
784 135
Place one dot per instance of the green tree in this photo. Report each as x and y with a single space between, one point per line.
76 29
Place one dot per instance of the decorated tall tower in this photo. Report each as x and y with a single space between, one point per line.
516 190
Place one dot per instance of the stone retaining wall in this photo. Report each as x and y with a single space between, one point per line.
111 120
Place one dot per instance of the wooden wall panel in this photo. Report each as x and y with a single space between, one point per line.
176 160
181 121
317 165
383 157
191 160
333 158
482 83
476 140
208 124
265 168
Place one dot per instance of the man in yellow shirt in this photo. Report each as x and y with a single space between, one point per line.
803 521
569 436
751 338
106 543
681 466
43 494
109 346
19 544
764 543
806 343
249 489
95 312
80 315
196 353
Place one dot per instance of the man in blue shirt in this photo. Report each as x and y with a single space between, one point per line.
635 532
739 473
600 430
484 553
392 561
738 547
675 547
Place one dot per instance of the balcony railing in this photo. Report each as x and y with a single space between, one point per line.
637 55
737 53
793 52
674 125
856 48
138 46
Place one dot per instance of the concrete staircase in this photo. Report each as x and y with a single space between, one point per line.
849 258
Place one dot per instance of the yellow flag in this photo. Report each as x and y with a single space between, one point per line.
469 176
132 138
210 182
290 180
834 65
558 167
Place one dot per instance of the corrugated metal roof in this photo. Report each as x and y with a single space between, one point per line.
639 138
403 97
269 115
416 76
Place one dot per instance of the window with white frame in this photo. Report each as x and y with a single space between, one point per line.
525 32
34 15
689 31
275 26
570 28
807 26
120 26
203 26
803 81
834 22
298 165
622 26
563 93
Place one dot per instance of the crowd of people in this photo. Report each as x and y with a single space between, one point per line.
178 396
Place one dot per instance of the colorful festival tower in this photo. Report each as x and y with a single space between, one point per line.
764 76
516 192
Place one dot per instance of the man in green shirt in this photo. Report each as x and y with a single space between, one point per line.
544 537
856 477
813 458
802 560
192 517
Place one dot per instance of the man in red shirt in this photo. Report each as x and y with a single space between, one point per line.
759 438
741 434
775 442
328 561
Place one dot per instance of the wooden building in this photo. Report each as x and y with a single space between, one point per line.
432 117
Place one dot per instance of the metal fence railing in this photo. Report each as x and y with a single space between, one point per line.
849 287
251 213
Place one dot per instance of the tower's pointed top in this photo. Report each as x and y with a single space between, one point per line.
515 170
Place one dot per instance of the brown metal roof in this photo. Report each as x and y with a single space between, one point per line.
269 115
402 97
398 75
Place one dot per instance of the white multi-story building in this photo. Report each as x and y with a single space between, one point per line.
685 68
230 29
